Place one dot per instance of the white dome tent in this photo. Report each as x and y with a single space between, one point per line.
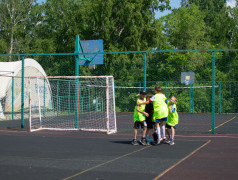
10 79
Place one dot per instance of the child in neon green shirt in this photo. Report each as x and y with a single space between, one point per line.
172 119
160 112
139 118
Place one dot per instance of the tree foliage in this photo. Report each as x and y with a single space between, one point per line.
130 25
217 19
14 18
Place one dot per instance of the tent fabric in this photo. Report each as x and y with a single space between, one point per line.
13 69
8 70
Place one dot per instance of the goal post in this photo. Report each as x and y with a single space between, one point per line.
72 103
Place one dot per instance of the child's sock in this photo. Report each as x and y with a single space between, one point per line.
163 132
158 133
149 140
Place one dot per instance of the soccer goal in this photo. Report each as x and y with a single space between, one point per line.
72 103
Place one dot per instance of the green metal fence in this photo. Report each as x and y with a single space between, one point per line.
209 94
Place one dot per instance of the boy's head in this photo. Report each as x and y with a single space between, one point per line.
173 100
157 89
142 94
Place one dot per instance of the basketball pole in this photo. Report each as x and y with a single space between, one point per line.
76 80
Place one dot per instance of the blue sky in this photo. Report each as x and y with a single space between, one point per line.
173 4
231 3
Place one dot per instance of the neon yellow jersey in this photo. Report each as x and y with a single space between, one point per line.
172 118
160 107
153 118
138 116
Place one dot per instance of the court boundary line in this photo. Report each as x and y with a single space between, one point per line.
223 123
179 162
192 136
102 164
218 136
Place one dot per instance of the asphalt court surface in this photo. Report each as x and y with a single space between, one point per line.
230 126
87 155
190 123
44 157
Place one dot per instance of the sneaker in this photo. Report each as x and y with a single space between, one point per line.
171 143
158 142
163 141
167 141
134 142
143 142
152 143
148 144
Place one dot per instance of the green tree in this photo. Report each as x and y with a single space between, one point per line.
14 16
61 21
185 30
126 26
217 20
233 32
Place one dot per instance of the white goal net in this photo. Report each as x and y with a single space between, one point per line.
72 103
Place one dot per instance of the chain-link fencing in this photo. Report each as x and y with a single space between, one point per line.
204 82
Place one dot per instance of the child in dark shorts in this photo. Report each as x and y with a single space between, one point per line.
139 118
149 120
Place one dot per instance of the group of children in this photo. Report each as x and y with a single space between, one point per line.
155 115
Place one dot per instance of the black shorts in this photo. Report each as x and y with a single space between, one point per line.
139 124
169 127
150 123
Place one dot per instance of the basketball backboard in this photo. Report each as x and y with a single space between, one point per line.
187 78
91 46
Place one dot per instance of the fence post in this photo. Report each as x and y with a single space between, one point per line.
166 84
89 97
69 98
144 71
22 92
44 99
57 98
76 81
213 92
190 98
220 97
79 98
